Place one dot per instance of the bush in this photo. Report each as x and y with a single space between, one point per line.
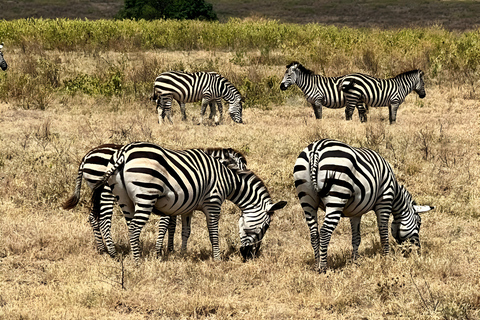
161 9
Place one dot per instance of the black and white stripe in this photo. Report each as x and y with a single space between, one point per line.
191 87
147 178
92 168
348 182
362 89
229 156
3 63
319 91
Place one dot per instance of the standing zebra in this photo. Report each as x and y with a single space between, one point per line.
147 178
92 168
3 63
348 182
191 87
362 89
319 90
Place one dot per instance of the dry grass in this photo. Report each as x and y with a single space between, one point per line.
49 268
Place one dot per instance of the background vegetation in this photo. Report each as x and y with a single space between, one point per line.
72 85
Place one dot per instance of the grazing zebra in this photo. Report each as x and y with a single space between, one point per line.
191 87
92 168
147 178
3 63
348 182
319 90
362 89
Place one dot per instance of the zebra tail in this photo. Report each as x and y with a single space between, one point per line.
347 84
324 189
71 202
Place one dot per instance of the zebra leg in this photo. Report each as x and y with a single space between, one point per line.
220 111
163 225
182 110
392 113
362 112
186 229
167 110
383 215
160 110
350 107
96 233
172 226
213 110
205 102
333 213
317 109
213 214
356 238
107 200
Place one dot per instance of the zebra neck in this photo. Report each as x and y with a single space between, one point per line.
401 204
247 191
305 81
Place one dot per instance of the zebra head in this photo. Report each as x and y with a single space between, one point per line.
419 84
3 63
290 76
253 225
235 110
406 225
229 157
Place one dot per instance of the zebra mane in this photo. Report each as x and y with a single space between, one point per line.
409 73
300 67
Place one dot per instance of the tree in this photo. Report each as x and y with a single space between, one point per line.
167 9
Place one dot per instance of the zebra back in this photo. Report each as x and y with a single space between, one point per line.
230 156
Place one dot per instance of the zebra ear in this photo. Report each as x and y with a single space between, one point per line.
422 209
277 206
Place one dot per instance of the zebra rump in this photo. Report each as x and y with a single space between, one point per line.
3 63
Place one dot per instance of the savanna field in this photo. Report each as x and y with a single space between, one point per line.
72 85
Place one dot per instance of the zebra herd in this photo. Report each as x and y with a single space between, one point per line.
344 181
349 91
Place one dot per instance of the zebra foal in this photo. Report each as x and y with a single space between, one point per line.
149 179
3 63
191 87
319 91
92 168
362 89
348 182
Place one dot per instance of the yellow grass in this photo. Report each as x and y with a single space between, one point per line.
49 267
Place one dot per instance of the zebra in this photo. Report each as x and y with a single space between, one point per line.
3 63
320 91
147 178
92 168
191 87
362 89
345 181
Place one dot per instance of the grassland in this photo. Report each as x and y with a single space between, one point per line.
452 15
58 99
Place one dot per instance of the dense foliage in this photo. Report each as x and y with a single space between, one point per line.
162 9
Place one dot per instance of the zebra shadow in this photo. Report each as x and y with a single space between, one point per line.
340 258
